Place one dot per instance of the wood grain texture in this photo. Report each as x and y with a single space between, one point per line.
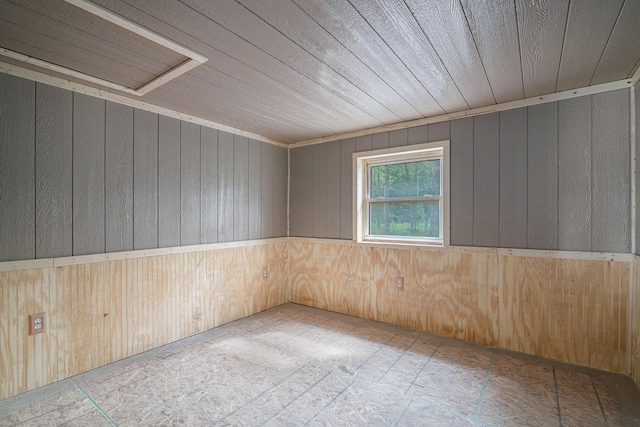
493 25
17 168
145 179
53 160
240 188
333 206
635 323
189 184
574 174
513 178
255 190
319 189
462 182
570 310
542 176
486 180
541 24
585 315
394 22
342 21
119 177
333 54
101 312
620 52
611 192
347 148
447 29
88 175
225 187
209 185
591 27
169 212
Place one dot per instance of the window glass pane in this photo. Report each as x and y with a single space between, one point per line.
417 219
410 179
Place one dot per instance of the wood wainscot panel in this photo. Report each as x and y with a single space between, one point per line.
570 310
635 337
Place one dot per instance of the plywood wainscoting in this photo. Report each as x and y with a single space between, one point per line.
635 322
566 306
103 308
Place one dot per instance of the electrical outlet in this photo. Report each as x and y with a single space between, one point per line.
265 272
400 283
36 323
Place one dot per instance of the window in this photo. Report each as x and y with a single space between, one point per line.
402 194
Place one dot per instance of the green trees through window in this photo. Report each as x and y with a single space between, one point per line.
404 198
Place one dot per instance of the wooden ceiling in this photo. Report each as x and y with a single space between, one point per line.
294 70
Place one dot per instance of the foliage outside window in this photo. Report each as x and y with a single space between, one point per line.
402 194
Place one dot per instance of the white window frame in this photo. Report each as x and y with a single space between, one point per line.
361 163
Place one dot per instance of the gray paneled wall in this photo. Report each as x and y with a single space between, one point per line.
80 175
550 176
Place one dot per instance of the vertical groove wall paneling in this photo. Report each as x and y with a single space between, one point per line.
574 174
363 143
486 175
333 186
306 191
88 175
319 226
461 180
119 177
347 148
295 192
379 140
189 184
53 163
225 187
209 185
280 192
17 152
513 178
398 137
240 188
418 135
145 180
439 131
542 179
268 190
611 193
169 217
255 189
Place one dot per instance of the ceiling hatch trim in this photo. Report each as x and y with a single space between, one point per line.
194 58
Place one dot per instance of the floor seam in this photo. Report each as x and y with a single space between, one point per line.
484 386
95 404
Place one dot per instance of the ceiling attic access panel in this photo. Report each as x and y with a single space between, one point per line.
80 40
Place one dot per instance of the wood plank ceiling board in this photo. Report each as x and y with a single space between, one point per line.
247 25
445 25
394 23
342 21
287 18
233 56
620 57
493 25
589 27
541 26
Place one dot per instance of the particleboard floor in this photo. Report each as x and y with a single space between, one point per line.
294 365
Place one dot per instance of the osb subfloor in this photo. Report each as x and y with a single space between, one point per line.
294 365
